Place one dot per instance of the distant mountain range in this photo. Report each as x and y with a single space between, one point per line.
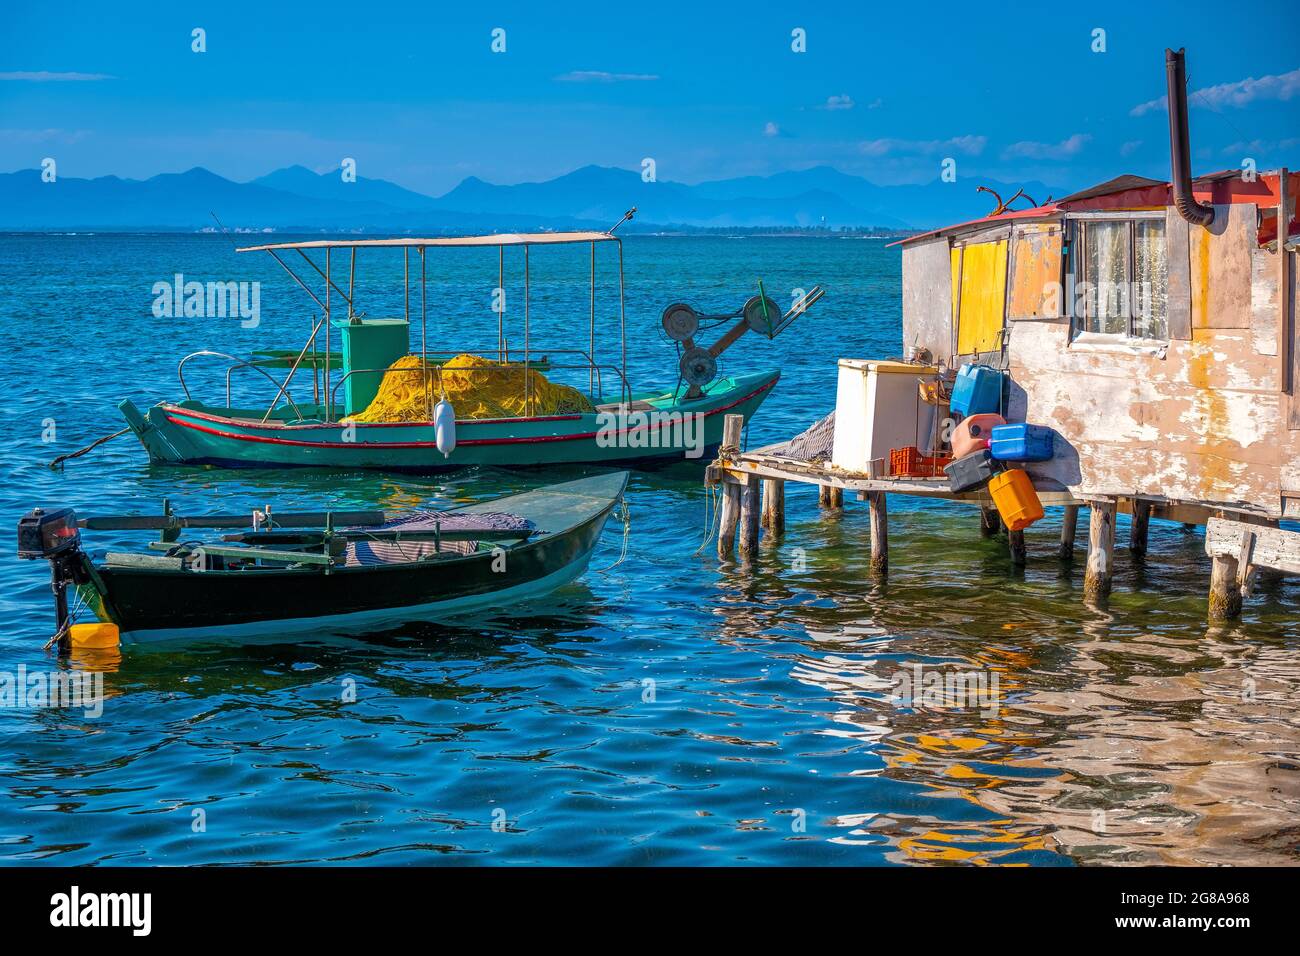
295 198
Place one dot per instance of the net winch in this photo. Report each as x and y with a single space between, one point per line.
698 364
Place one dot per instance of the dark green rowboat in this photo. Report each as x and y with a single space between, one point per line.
280 580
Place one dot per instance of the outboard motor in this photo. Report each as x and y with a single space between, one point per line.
56 537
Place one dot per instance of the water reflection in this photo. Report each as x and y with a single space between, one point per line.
1110 742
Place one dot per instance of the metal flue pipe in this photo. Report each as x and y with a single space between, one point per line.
1198 214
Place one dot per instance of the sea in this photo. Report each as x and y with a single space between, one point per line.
664 709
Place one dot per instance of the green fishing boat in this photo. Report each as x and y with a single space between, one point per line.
608 422
286 575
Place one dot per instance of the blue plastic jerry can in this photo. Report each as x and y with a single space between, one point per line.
978 390
1021 442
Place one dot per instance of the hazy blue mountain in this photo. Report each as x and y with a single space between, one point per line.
590 197
301 181
168 201
603 194
925 205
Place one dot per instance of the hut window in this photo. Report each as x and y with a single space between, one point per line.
1122 278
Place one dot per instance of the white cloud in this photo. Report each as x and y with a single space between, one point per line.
969 145
1262 146
28 136
1129 148
841 102
1283 86
42 76
771 129
600 76
1066 148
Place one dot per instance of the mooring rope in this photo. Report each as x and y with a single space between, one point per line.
78 605
626 516
712 515
94 444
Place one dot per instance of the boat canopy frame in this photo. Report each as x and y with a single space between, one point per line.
500 241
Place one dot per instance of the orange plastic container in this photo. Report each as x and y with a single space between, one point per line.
1017 502
972 433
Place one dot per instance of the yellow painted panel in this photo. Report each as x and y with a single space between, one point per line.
1036 275
983 297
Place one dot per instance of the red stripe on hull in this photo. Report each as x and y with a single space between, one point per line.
535 439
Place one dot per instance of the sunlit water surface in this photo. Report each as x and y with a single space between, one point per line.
662 709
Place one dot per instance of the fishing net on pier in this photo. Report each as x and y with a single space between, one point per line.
812 444
477 387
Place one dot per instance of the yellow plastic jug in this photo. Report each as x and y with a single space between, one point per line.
1016 500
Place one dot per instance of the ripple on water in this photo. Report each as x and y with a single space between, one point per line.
662 712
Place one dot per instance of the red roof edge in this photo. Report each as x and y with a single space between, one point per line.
1221 188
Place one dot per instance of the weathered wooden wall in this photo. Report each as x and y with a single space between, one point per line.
1202 423
927 298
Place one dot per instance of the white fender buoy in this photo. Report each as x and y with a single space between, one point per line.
444 427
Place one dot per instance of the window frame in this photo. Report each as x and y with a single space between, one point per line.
1076 238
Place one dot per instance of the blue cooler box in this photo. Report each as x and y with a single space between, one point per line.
978 389
1021 442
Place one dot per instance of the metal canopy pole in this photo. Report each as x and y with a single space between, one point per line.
591 347
622 321
352 284
284 387
328 325
501 310
406 283
424 334
293 275
527 390
315 367
307 259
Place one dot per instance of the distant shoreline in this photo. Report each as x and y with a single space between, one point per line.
719 233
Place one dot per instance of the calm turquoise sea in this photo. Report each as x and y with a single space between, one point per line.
663 710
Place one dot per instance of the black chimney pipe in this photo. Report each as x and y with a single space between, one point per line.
1198 214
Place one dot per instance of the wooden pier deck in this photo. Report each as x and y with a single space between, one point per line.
1239 543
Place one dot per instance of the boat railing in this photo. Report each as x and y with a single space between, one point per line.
236 363
625 392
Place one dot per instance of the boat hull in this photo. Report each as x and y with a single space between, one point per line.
151 605
663 431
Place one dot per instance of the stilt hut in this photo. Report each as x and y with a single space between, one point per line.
1152 326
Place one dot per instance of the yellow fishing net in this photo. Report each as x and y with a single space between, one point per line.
476 387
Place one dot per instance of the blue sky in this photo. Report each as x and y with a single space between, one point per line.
415 94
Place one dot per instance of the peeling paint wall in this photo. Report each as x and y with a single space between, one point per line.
927 298
1205 422
1201 419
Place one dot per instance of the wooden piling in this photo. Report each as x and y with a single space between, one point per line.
729 515
1137 532
990 521
1069 528
1016 543
749 518
774 506
879 532
728 519
830 497
1101 551
1225 590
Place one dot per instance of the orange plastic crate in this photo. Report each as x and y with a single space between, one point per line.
910 463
